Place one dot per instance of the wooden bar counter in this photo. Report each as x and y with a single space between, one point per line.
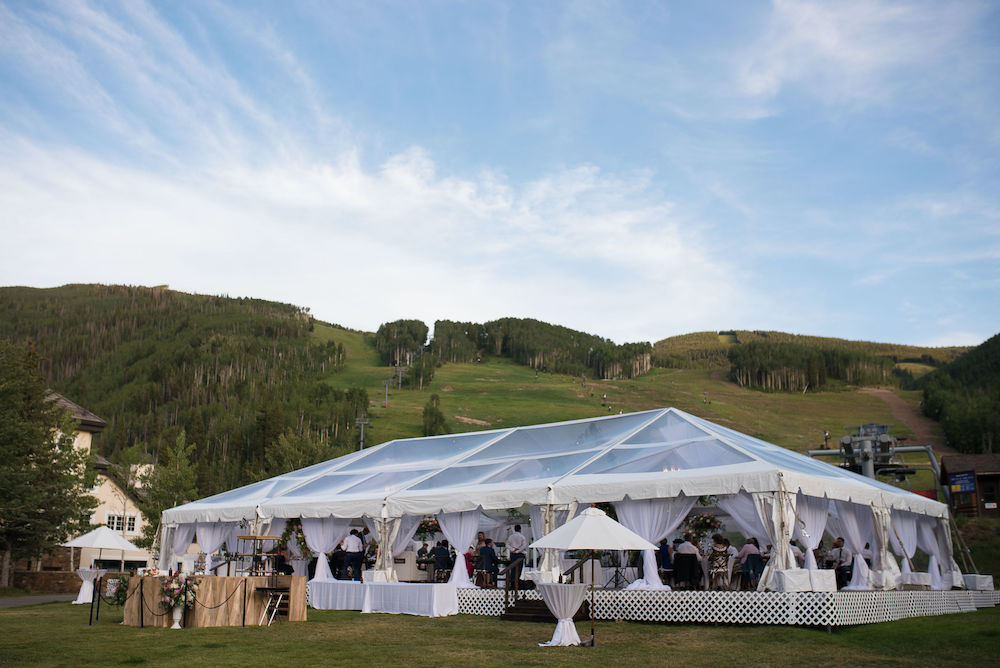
213 608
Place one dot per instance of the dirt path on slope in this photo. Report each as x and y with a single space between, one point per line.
925 431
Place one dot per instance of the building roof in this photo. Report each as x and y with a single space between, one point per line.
660 453
980 464
88 421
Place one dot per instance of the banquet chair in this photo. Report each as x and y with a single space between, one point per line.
687 571
752 570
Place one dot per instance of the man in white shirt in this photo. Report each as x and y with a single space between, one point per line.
352 547
841 559
516 545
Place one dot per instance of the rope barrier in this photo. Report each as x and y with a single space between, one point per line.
146 606
213 607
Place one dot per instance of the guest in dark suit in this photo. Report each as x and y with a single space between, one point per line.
488 562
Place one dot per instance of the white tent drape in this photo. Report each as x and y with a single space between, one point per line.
855 521
322 535
552 560
811 515
885 570
904 524
407 528
654 520
776 511
460 530
211 535
744 512
951 576
183 535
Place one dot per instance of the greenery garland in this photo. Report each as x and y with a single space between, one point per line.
295 526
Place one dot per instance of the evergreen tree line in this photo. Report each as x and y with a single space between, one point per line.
541 346
234 374
965 397
790 367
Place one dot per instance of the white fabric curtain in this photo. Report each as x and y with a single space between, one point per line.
654 520
551 559
855 521
211 535
904 524
322 535
811 515
183 535
776 511
927 541
460 530
744 512
885 573
408 526
950 574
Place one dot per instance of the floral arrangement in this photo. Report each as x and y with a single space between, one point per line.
117 590
152 572
294 529
428 527
702 524
178 589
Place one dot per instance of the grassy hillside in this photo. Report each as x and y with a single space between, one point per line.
710 349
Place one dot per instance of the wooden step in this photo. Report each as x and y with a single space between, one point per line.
536 611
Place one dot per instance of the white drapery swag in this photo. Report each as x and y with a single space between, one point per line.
183 535
776 511
460 530
211 535
856 524
744 512
811 513
903 537
322 535
951 576
396 532
654 520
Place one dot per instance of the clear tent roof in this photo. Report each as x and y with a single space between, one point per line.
649 454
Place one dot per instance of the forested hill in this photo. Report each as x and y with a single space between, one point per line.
237 374
965 397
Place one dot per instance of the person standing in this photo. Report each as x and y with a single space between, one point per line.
517 545
353 548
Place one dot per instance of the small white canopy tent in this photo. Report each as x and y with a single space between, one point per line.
658 454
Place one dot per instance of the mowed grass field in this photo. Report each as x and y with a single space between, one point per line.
57 634
498 393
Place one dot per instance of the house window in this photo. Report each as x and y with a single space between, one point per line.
130 524
115 522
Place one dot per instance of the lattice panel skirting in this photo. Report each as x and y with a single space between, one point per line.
843 608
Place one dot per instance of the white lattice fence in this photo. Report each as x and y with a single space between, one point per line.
844 608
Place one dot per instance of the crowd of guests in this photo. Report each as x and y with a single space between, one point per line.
682 563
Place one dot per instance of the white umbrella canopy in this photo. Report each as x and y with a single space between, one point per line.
593 530
102 538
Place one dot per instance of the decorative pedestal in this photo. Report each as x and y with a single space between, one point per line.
178 612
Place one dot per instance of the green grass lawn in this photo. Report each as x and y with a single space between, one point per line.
57 634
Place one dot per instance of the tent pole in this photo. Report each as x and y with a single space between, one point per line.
592 602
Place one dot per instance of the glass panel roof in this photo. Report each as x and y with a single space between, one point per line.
326 485
667 429
457 476
428 451
563 438
701 453
385 482
540 469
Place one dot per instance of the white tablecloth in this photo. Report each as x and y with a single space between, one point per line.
88 575
336 594
563 601
978 582
823 579
411 598
917 579
300 566
792 579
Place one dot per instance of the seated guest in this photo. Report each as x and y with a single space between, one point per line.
718 563
687 566
281 565
470 556
442 557
488 562
730 548
800 557
422 555
666 564
751 563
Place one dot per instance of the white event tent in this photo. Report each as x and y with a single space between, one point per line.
653 465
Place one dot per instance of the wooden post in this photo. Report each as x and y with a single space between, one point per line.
142 603
243 622
91 622
97 593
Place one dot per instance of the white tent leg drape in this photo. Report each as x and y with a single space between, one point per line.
654 520
811 513
545 519
460 530
776 511
322 535
855 521
885 570
904 531
951 576
211 535
183 535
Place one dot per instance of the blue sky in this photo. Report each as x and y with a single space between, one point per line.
635 170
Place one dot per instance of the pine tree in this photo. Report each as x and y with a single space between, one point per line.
170 483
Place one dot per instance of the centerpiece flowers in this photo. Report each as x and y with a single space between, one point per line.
178 591
702 524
